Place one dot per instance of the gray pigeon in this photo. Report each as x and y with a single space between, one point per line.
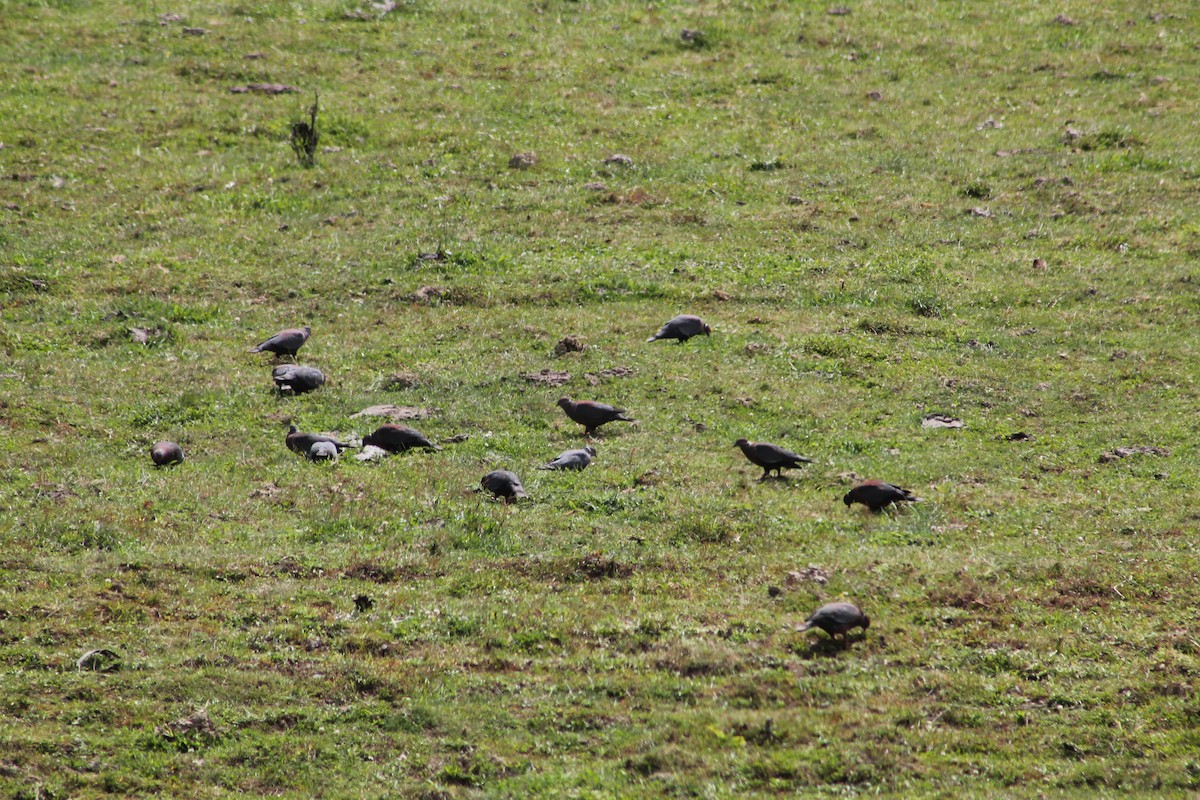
284 343
302 443
835 618
877 495
165 454
592 415
683 327
771 457
322 451
503 484
572 459
293 379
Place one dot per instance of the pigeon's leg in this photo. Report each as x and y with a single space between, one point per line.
766 474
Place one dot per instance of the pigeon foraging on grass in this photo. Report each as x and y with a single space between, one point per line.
572 459
292 379
877 495
592 415
299 442
397 438
503 485
837 618
771 457
285 343
322 451
165 454
682 328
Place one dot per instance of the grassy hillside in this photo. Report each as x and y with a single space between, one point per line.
884 210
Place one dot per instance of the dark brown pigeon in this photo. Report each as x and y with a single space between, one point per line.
397 439
284 343
592 415
293 379
877 495
770 457
835 618
302 442
165 454
503 484
572 459
683 327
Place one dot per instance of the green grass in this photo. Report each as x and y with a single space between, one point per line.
863 262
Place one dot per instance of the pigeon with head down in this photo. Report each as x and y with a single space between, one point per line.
592 415
322 451
837 618
294 379
877 495
682 328
503 485
285 343
572 459
165 454
397 439
302 443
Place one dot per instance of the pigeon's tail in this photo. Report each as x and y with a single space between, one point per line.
433 447
653 338
622 418
804 460
256 349
548 466
803 626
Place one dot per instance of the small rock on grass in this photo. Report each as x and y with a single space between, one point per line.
1126 452
569 344
809 574
102 660
549 377
940 421
522 160
192 727
394 412
263 88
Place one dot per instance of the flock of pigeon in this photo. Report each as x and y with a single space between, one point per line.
833 618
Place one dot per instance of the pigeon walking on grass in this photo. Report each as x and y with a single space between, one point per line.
503 485
835 618
165 454
771 457
592 415
299 442
877 495
397 439
293 379
285 343
572 459
683 327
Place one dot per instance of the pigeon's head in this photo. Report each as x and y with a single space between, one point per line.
564 402
847 499
742 443
591 451
293 429
707 329
866 623
307 331
369 439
